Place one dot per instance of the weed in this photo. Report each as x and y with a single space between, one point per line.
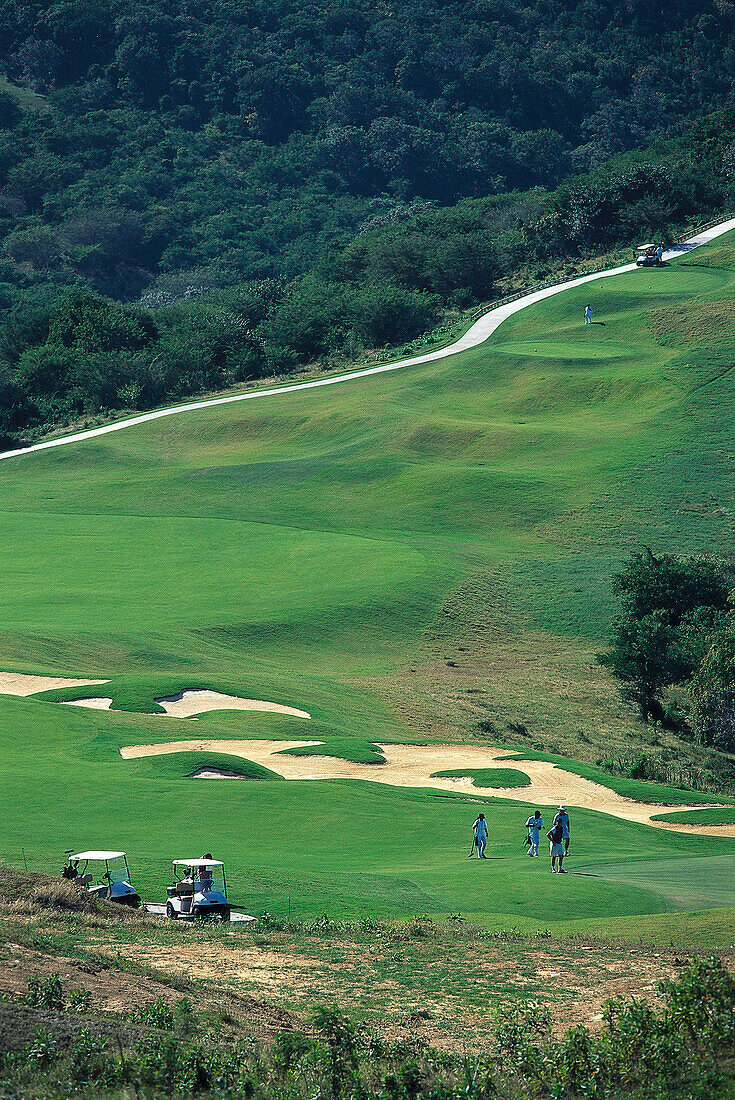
155 1014
45 992
80 1000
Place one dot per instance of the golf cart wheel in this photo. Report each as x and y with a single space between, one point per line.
170 911
225 914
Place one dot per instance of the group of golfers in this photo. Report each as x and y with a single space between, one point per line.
558 836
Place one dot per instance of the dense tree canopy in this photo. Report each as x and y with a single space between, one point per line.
275 182
235 141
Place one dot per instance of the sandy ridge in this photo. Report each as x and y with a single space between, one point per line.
414 765
477 334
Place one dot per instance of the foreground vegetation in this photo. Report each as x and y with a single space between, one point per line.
685 1049
333 1008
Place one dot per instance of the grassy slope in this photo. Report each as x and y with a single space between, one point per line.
401 557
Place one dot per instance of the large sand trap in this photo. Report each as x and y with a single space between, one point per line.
413 766
16 683
188 703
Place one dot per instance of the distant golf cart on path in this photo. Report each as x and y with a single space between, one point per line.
112 884
199 890
649 255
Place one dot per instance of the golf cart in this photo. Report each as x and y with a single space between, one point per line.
112 884
199 889
646 255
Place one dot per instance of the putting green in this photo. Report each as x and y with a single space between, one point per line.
327 550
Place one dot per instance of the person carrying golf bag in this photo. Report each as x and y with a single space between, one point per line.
479 830
534 825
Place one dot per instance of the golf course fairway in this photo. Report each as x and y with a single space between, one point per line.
419 556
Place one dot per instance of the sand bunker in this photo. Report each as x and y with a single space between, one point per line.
16 683
188 703
414 765
91 704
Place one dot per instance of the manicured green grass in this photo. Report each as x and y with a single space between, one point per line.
689 883
700 817
345 748
490 777
185 764
401 556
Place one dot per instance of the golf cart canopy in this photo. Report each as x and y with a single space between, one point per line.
104 856
644 247
198 863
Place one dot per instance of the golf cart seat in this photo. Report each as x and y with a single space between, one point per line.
83 880
185 888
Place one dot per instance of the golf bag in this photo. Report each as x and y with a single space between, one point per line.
527 842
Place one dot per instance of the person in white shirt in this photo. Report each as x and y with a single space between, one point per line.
563 818
534 825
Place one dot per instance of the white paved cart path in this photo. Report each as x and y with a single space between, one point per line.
477 334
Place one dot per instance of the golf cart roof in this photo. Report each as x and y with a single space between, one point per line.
644 247
99 855
198 863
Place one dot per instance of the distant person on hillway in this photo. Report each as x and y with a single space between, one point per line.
534 825
480 830
588 315
660 253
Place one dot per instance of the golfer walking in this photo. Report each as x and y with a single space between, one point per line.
588 315
534 825
480 830
563 818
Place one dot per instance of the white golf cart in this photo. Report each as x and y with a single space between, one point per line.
647 255
199 889
112 883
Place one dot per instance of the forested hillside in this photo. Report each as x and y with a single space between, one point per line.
196 158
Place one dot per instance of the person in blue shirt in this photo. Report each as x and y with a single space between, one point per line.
480 830
534 825
562 817
588 315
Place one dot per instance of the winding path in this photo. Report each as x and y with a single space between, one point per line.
477 334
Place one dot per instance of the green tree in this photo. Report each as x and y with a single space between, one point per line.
713 695
670 611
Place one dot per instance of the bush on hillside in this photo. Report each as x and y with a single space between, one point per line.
671 611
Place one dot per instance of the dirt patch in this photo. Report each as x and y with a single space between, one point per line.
256 966
415 765
17 683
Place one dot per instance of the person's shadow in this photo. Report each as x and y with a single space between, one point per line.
596 323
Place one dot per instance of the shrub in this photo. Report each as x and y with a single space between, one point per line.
45 992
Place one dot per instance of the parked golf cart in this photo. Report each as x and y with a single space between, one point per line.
199 889
646 255
112 883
